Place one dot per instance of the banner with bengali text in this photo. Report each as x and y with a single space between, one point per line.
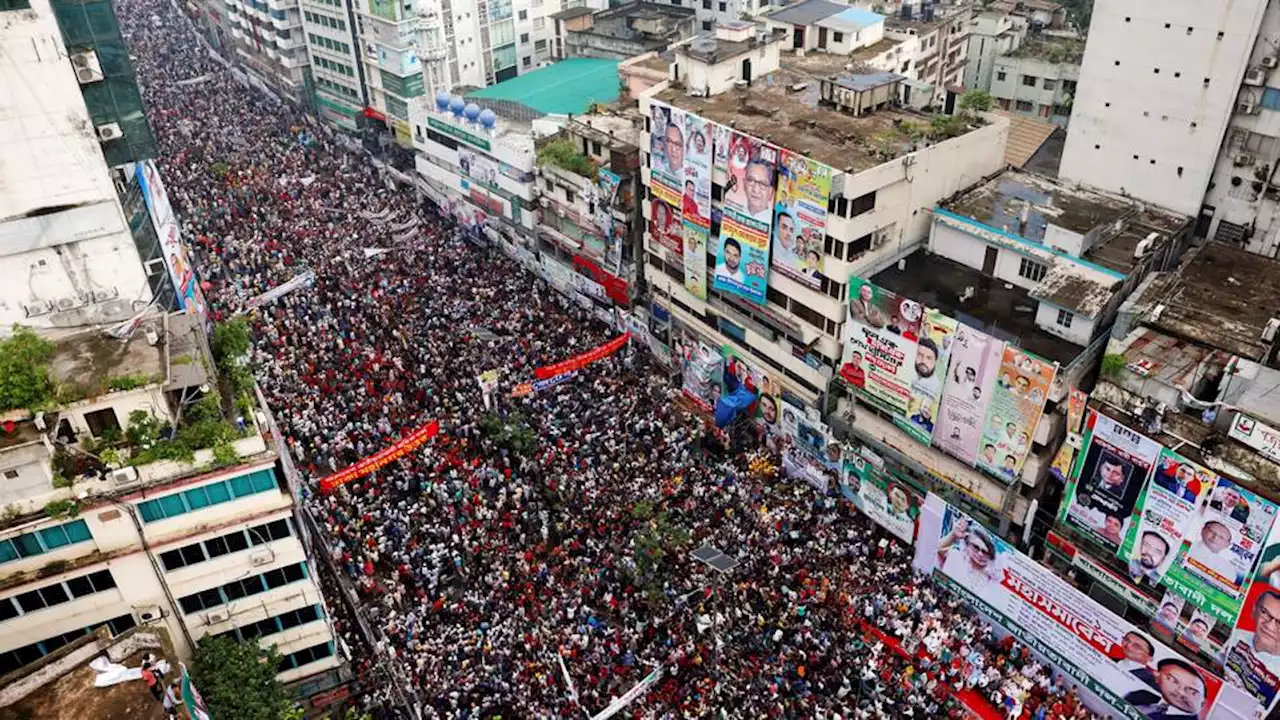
401 448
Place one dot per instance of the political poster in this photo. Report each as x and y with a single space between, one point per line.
1257 435
478 166
702 370
1251 658
814 438
666 152
665 227
1017 402
1169 615
1164 508
765 385
1219 548
1134 675
933 353
613 232
800 218
721 136
696 191
975 361
402 447
1195 635
1105 484
880 344
892 504
186 286
695 260
1060 468
742 253
798 464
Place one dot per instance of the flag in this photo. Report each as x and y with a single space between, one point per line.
196 709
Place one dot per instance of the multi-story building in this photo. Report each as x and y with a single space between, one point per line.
113 521
388 33
269 42
1159 85
621 32
1187 383
71 253
991 34
337 66
942 34
1038 78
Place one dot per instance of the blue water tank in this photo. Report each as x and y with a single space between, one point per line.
442 101
456 106
471 112
488 118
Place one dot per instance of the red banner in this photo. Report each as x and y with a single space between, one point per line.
404 446
578 362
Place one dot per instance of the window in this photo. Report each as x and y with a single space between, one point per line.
237 589
706 4
14 659
1032 270
863 204
1025 106
1064 318
212 494
524 15
43 541
306 656
524 38
1030 80
706 24
14 5
236 541
1049 84
1001 75
526 61
837 37
56 594
540 45
722 7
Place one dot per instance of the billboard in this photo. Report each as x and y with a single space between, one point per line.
612 232
478 167
665 227
767 386
1017 402
696 203
720 157
1213 565
800 218
1060 468
894 505
1165 507
1107 480
666 152
1135 675
1251 658
975 360
695 260
933 353
186 287
702 371
880 344
742 256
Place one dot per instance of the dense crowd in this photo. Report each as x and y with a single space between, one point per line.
533 559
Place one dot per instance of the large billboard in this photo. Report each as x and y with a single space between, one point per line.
880 344
933 354
742 257
975 360
800 218
702 371
186 288
1135 675
1164 509
1251 659
1017 402
665 227
1060 468
1107 480
696 203
866 484
1213 565
766 385
666 152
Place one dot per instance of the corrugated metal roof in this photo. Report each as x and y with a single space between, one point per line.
808 12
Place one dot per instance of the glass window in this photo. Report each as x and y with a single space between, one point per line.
172 505
122 623
102 580
54 594
196 498
191 603
216 547
30 601
8 552
150 511
54 537
193 554
28 545
218 493
237 542
172 559
294 573
80 586
241 486
274 578
78 531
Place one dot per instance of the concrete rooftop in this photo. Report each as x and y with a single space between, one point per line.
1001 201
87 361
1008 313
771 110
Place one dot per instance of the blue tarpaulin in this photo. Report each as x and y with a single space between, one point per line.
736 399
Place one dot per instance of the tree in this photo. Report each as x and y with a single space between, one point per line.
24 369
238 680
977 100
230 340
561 152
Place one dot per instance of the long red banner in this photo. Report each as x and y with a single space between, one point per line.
577 362
404 446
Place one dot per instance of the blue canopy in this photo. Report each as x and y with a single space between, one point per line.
736 399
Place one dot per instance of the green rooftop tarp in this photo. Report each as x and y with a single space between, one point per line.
567 87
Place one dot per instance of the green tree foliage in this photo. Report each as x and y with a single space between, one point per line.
238 680
976 100
230 340
561 152
510 432
1113 363
24 370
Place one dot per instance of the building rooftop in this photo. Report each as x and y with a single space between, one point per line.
1052 49
1153 355
1002 201
1221 296
639 10
1115 250
808 12
708 48
568 87
1026 135
1080 289
1006 312
571 13
874 50
851 20
783 108
617 132
73 695
88 363
867 81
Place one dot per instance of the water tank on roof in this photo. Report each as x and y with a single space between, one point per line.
471 112
488 118
442 101
456 106
906 11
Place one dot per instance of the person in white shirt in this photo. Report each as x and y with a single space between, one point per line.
1213 551
1264 641
730 267
1139 654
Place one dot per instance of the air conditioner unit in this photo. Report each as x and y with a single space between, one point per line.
261 557
1269 61
123 477
109 132
148 613
67 303
1246 107
1255 77
88 69
213 617
1269 332
1242 159
39 307
105 295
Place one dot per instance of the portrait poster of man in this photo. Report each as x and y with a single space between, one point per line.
1107 480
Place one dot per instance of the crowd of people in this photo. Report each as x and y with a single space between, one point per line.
532 561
